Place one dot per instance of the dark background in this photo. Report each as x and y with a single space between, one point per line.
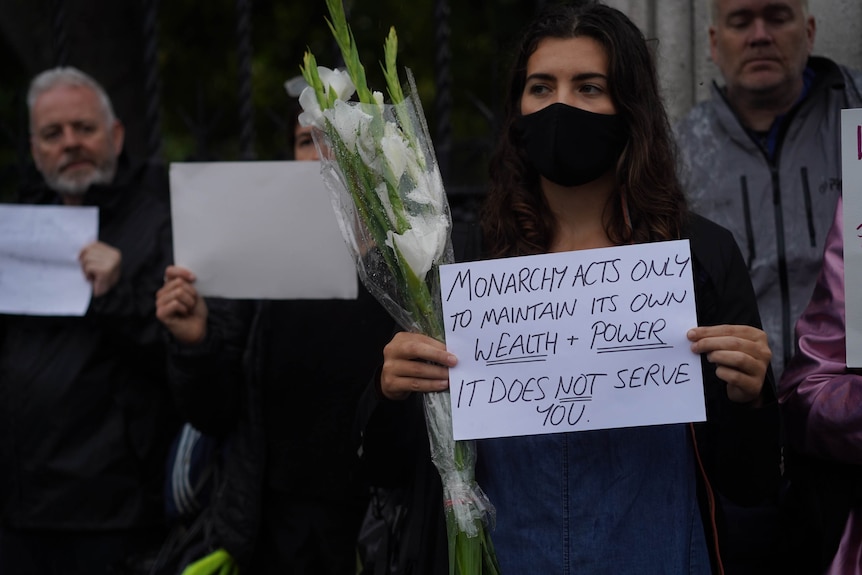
198 80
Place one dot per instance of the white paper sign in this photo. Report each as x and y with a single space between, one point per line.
39 269
259 230
851 162
591 339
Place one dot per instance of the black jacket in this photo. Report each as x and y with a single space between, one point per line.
737 445
279 382
86 410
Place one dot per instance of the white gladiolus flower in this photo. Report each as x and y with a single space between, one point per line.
311 114
351 123
334 81
428 190
421 245
396 152
417 168
337 81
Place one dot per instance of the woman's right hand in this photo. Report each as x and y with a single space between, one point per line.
414 362
180 308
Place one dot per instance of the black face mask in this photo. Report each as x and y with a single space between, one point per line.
570 146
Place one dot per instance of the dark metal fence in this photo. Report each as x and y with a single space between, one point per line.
202 121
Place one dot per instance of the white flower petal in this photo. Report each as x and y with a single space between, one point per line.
311 114
428 191
378 99
337 81
395 151
421 245
350 122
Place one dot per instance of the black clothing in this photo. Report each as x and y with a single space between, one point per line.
86 411
279 380
738 446
114 552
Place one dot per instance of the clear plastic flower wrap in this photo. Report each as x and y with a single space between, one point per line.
390 205
378 162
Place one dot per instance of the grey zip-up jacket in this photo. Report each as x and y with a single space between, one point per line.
779 211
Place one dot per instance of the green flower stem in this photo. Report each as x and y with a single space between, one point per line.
489 557
377 123
360 183
425 304
347 44
468 554
311 75
362 190
390 70
393 86
401 223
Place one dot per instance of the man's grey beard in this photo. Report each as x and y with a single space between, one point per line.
69 186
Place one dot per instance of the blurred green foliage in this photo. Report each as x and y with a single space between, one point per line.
197 47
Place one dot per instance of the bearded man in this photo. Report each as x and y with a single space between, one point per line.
85 410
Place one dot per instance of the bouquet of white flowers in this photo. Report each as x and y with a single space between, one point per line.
379 164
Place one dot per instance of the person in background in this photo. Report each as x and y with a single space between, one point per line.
303 143
86 410
279 381
300 142
762 156
586 160
820 398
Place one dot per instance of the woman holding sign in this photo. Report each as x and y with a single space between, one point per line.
586 160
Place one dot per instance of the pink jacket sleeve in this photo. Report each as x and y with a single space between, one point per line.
821 399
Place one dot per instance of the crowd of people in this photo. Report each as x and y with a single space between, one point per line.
586 158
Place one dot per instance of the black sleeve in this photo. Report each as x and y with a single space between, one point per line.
207 379
392 435
397 458
739 444
128 309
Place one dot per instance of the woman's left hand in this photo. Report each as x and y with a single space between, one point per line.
741 356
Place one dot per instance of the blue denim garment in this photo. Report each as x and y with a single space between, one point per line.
620 501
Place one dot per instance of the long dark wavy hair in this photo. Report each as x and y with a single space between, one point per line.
516 218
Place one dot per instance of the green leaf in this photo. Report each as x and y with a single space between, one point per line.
311 75
209 564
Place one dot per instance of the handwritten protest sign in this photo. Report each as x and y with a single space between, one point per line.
591 339
851 167
39 269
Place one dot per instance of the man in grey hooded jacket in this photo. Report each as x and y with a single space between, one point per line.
762 156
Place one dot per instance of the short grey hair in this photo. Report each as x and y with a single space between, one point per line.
68 76
714 9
